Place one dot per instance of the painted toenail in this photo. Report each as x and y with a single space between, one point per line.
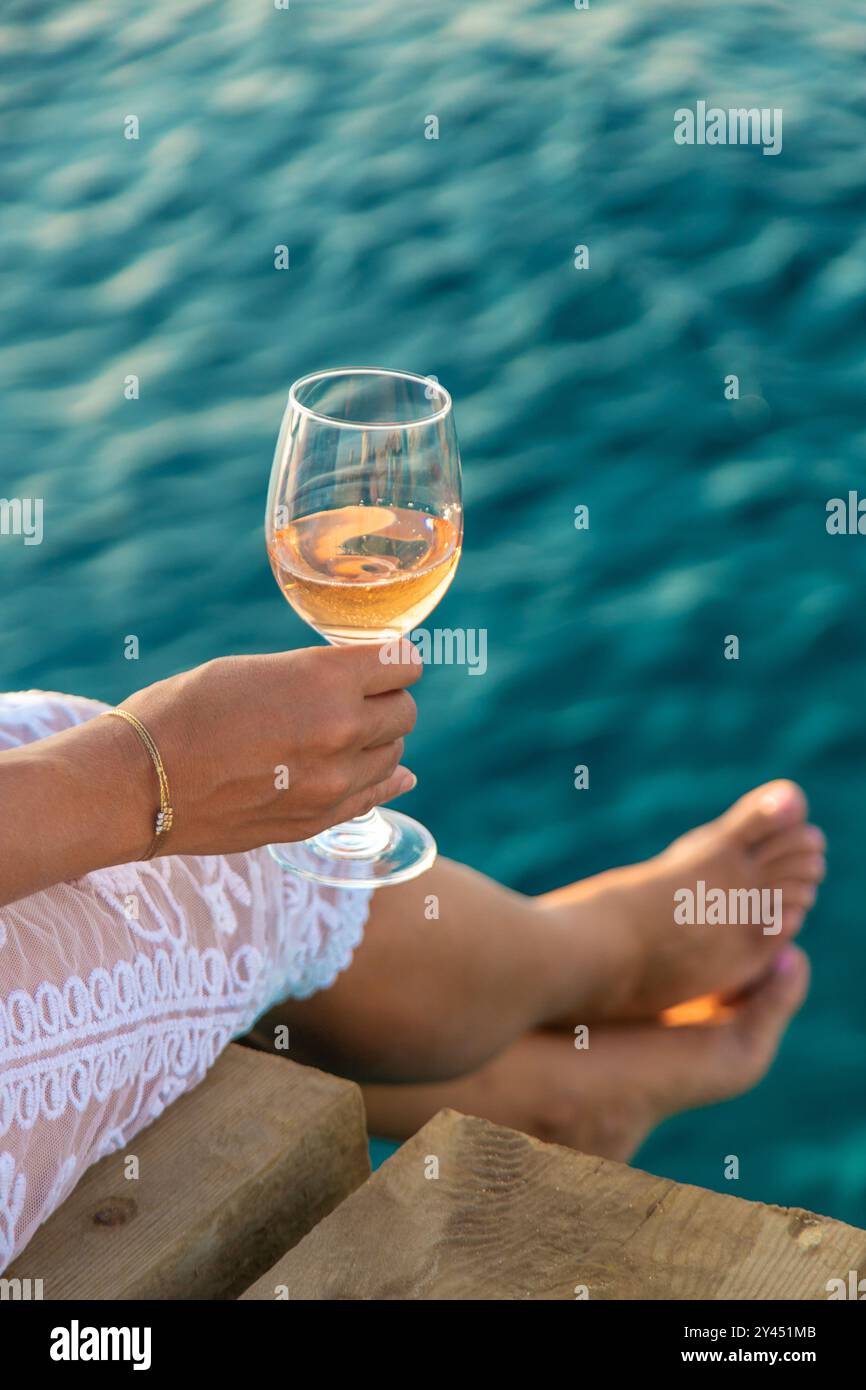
785 961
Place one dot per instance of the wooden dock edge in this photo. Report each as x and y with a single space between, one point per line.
231 1176
470 1210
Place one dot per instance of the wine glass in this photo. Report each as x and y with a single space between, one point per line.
364 528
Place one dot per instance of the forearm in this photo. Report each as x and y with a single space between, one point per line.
333 717
77 801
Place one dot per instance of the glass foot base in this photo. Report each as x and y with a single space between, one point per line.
408 849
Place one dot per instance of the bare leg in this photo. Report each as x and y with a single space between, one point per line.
454 967
606 1099
427 998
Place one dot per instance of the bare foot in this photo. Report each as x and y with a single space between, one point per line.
652 958
607 1098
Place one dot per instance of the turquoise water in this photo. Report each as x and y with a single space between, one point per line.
604 387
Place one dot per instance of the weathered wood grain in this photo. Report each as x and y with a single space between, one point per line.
511 1218
231 1176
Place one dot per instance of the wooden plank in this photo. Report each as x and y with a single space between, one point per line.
231 1176
511 1218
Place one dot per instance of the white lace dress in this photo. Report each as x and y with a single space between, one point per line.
119 990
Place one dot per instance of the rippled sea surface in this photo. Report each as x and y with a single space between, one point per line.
603 387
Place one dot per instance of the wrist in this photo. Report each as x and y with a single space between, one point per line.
104 789
80 800
165 815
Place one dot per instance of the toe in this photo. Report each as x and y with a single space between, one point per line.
713 1062
775 806
792 922
803 839
808 868
798 896
798 899
760 1020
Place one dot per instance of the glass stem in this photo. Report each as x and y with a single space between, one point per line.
356 839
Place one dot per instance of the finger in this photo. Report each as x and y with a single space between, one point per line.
375 765
400 781
391 666
388 717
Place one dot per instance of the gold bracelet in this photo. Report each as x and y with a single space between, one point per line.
165 814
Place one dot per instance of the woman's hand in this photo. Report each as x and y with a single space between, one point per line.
257 749
272 748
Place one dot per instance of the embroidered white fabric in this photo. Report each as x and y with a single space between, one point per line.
120 989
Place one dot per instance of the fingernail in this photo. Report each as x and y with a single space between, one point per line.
771 802
408 781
